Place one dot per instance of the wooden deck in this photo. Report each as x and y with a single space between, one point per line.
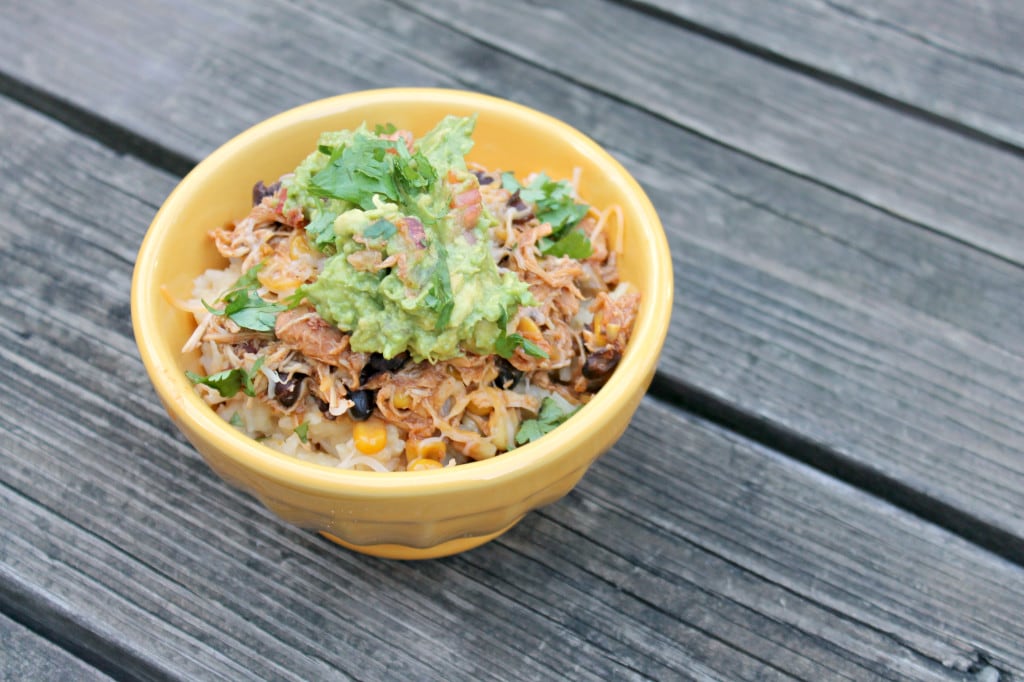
825 482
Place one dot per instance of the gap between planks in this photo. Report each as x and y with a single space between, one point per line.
704 404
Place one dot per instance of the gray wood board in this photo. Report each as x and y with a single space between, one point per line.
24 655
687 550
958 60
799 305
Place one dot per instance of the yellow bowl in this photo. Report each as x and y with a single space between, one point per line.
405 515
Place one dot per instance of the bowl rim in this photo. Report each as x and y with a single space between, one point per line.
185 405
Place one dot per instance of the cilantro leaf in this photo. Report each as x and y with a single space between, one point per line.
509 182
385 129
252 312
244 306
249 279
549 417
295 299
505 345
229 382
321 230
554 204
509 343
574 243
553 201
440 297
530 348
382 229
301 431
362 169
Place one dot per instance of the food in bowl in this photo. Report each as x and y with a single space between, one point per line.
387 306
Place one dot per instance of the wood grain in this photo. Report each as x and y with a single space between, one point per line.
959 62
857 332
906 167
25 655
686 552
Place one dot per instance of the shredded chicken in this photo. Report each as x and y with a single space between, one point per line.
468 407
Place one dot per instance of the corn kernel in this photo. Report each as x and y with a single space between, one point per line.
428 448
370 436
598 338
612 330
401 401
478 407
298 247
481 449
528 328
423 464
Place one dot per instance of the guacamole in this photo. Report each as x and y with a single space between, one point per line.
409 264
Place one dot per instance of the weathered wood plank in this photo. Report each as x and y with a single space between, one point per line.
796 304
962 61
907 167
25 655
986 31
904 166
687 551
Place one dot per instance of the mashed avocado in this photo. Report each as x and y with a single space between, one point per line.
410 266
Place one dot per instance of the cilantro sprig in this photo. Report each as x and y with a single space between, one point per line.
229 382
244 306
549 417
320 230
556 206
440 298
505 345
382 229
370 165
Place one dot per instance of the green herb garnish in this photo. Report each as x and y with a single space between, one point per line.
301 431
505 345
356 172
229 382
369 166
573 243
548 418
382 229
556 206
440 299
244 306
321 230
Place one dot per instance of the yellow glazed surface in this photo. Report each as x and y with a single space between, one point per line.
403 514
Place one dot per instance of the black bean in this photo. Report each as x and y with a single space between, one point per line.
508 376
363 402
600 364
522 209
378 363
516 202
324 407
259 191
483 177
289 390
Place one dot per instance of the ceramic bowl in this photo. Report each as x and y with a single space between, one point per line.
405 515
